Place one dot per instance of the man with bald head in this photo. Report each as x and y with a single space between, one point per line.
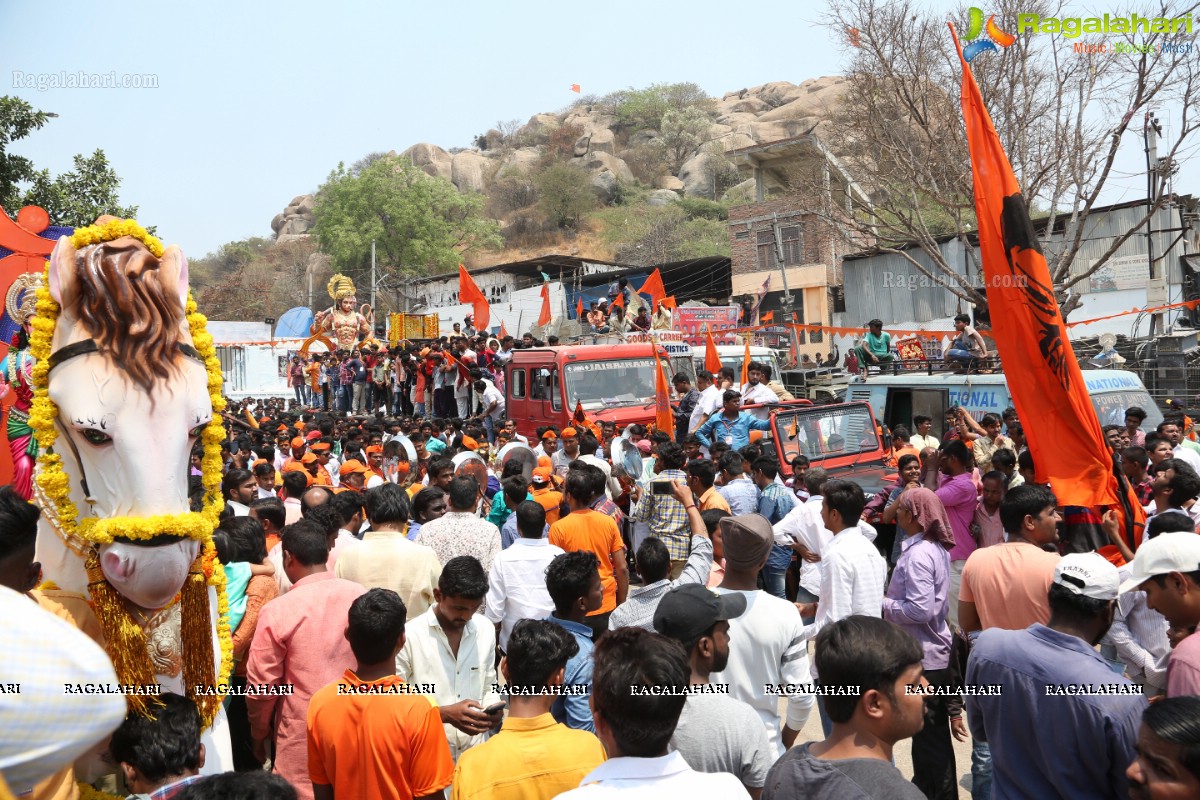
315 496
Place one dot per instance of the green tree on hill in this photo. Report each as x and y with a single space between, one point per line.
420 224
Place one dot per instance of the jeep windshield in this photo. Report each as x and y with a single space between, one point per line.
821 434
617 382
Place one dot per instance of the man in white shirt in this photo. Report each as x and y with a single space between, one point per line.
517 582
853 573
757 391
804 531
636 725
492 402
453 648
709 402
923 438
766 647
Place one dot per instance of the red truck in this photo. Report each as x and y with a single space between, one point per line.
616 383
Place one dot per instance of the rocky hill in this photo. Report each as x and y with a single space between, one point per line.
621 153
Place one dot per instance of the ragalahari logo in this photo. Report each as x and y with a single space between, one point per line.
995 36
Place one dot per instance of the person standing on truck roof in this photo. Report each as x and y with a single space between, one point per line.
776 387
732 426
755 390
968 345
662 318
876 347
642 321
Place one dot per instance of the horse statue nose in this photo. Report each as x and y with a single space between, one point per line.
116 565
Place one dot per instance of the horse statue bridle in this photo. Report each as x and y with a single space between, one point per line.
82 348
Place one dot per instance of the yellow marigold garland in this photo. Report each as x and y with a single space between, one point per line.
55 485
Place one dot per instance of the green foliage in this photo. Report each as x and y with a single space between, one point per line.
565 193
561 141
699 208
420 224
682 131
645 234
81 195
511 190
17 120
642 109
256 278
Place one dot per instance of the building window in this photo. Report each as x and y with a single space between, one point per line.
742 235
793 245
839 298
766 249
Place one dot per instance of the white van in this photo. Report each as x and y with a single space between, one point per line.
731 355
898 398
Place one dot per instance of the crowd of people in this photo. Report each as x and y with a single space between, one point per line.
571 629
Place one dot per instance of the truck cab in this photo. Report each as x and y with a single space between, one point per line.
841 438
612 382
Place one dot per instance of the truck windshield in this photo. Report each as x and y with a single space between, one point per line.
826 433
1110 407
623 381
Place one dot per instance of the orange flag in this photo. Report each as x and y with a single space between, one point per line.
618 301
712 361
767 317
503 330
579 308
575 88
1047 390
468 292
746 363
581 419
654 287
669 302
544 316
664 420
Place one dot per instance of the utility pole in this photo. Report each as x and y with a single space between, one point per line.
1151 130
785 302
372 274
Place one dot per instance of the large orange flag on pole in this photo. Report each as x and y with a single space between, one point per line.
664 419
1045 380
746 362
654 287
712 361
468 292
579 308
544 317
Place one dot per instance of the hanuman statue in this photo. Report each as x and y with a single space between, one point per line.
348 326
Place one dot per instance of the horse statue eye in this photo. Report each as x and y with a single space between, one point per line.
96 436
197 431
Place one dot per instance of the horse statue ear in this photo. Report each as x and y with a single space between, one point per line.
64 285
173 273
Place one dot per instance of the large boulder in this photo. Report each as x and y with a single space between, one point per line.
602 141
778 93
538 129
763 132
431 159
751 105
662 197
668 182
523 159
596 162
467 170
696 177
737 119
741 193
604 184
642 137
582 144
295 220
811 98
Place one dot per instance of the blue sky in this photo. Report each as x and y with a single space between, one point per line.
258 101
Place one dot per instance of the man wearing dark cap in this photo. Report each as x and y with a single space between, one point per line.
715 733
766 645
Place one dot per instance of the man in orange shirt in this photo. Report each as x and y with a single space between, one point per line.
321 451
586 529
299 448
371 735
544 494
374 455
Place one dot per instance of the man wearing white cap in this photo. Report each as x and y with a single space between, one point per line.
1060 723
1167 569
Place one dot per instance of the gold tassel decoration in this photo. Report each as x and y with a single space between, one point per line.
197 645
126 641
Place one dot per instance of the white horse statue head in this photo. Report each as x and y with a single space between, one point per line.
133 397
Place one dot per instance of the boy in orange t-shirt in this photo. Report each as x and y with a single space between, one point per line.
585 529
371 735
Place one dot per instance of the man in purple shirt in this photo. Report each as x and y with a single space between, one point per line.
948 474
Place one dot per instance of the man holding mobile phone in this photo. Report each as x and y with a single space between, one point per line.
470 707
